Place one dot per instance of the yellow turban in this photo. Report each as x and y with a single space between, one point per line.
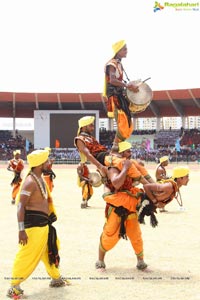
180 172
16 152
164 158
118 46
123 146
48 149
85 121
37 158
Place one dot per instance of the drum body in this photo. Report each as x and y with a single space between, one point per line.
139 101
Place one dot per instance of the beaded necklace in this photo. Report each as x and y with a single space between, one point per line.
41 185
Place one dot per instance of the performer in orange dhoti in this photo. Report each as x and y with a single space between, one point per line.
114 90
121 216
85 184
16 165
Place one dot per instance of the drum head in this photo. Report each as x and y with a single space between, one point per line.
96 179
144 96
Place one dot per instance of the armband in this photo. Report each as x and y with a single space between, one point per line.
21 226
26 193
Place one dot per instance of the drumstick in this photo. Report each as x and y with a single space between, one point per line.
141 82
146 79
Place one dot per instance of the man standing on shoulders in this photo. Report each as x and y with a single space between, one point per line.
115 92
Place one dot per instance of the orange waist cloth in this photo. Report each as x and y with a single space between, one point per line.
129 201
110 234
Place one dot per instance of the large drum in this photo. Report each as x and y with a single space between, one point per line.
139 101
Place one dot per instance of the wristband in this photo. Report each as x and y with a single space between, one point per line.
21 226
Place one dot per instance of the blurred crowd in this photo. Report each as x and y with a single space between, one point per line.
8 144
164 144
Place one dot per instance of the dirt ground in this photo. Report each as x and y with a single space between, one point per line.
171 249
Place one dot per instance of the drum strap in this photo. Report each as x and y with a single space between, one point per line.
125 74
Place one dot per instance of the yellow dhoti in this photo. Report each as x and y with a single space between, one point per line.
29 256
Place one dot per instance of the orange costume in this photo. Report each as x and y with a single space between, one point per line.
100 153
48 176
121 218
117 103
110 235
16 165
83 182
136 171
